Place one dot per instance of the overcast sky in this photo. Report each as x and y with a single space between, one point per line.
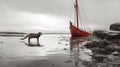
54 15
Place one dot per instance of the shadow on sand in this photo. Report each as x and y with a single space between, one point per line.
32 44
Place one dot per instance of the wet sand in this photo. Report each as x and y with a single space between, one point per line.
54 51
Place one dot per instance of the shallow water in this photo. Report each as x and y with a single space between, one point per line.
56 49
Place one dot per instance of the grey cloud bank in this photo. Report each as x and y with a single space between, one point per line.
54 15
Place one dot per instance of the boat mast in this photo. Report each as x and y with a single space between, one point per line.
76 6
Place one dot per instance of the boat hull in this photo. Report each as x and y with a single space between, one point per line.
75 32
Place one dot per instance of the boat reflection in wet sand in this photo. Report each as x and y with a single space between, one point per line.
75 44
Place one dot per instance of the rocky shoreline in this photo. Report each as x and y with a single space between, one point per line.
105 53
106 49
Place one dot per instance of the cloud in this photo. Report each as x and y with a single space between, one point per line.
31 21
32 14
55 14
60 7
103 12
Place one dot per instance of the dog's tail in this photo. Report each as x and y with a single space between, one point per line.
24 37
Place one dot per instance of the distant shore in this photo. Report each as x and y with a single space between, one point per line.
21 34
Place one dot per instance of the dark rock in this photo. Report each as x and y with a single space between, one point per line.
1 42
112 47
82 47
103 43
65 49
112 59
107 35
100 44
53 64
101 34
66 44
115 26
68 61
98 50
105 50
114 35
116 53
94 64
99 58
90 44
59 43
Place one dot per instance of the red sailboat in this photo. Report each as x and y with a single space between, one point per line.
75 31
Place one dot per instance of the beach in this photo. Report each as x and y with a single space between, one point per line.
53 51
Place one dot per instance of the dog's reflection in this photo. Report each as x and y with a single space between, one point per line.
31 44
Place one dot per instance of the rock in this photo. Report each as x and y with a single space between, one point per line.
99 58
101 34
82 47
112 47
66 44
100 65
100 44
68 61
112 59
59 43
94 64
53 64
1 42
114 35
90 44
115 26
97 50
106 49
65 49
116 53
106 35
103 43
